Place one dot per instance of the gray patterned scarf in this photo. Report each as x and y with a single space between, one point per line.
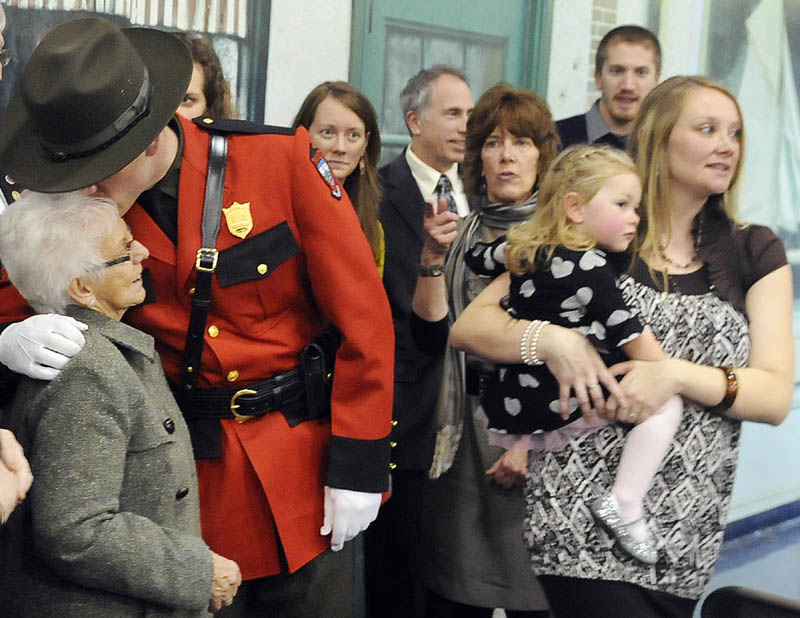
482 225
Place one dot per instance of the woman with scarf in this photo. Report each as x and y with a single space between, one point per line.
472 556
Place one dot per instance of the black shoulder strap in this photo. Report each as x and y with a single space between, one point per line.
206 262
234 126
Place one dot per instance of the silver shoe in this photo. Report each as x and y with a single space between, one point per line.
606 511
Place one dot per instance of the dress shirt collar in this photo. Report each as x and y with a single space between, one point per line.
427 179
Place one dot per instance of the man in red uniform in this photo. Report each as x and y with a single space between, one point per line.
94 111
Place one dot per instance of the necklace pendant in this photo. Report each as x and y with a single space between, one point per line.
666 260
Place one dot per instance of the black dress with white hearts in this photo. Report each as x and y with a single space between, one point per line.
574 289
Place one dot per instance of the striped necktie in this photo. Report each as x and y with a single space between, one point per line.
445 189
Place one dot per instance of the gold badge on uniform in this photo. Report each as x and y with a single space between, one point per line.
239 219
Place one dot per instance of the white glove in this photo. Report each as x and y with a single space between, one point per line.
41 345
347 513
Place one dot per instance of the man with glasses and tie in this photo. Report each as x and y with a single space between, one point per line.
436 105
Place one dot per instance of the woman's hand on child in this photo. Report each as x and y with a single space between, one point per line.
577 366
647 386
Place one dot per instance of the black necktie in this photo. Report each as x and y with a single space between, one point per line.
445 189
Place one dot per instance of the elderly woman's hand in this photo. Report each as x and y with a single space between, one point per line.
646 385
8 493
14 460
441 229
227 578
579 369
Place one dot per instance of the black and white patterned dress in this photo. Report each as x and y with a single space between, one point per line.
574 289
690 495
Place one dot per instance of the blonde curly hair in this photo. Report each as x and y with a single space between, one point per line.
581 170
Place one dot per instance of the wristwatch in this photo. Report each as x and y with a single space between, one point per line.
430 271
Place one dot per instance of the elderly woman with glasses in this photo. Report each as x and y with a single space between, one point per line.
111 526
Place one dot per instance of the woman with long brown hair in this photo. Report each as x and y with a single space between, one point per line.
208 92
343 125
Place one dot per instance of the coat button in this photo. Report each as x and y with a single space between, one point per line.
262 269
182 493
10 180
15 195
169 425
233 376
213 331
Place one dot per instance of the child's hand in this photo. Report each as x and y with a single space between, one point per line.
512 466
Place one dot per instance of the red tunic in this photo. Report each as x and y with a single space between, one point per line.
271 476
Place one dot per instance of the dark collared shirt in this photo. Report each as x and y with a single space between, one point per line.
597 131
161 202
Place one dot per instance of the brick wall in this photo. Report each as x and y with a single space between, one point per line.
604 18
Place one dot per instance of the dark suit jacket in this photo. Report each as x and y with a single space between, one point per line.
417 375
572 130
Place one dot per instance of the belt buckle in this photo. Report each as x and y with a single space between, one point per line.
240 418
203 255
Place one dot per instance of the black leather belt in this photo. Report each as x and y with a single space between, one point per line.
284 392
203 408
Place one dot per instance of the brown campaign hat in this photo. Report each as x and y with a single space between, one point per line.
89 101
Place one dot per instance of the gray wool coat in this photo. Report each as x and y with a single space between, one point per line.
111 526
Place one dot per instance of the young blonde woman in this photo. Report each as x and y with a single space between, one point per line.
717 295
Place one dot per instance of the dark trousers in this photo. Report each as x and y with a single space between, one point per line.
391 543
323 588
439 607
570 597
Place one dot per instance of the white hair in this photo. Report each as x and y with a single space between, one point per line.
46 239
2 19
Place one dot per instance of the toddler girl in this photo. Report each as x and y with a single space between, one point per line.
562 273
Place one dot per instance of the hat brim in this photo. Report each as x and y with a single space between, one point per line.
170 67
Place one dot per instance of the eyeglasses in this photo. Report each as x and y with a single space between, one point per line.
119 260
5 56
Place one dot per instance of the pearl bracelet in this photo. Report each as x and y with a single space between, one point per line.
524 344
532 352
530 340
